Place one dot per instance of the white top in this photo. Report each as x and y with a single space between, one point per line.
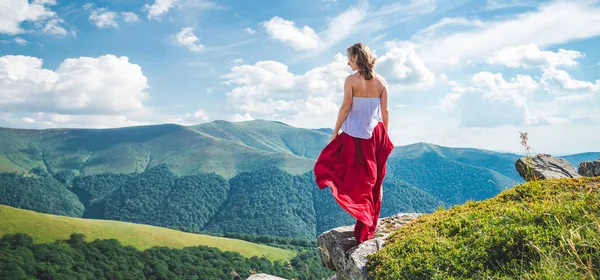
364 116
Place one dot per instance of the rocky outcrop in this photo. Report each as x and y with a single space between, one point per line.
589 168
544 166
342 254
262 276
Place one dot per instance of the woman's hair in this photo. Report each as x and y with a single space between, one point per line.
364 59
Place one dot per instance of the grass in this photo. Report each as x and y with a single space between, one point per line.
543 229
45 228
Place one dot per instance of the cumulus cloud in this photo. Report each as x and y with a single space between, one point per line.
130 17
102 17
160 7
84 85
489 100
304 38
14 13
531 56
188 39
559 82
404 66
268 90
199 116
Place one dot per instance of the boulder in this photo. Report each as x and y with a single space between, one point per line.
262 276
341 253
544 166
589 168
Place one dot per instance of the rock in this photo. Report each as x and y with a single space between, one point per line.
589 168
342 254
544 166
262 276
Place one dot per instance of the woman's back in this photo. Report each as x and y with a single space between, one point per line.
362 87
365 112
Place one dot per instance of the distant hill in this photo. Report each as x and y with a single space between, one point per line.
252 177
221 147
578 158
45 228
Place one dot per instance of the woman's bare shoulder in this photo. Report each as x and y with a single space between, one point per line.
381 79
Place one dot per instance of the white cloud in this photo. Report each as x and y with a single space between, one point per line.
267 90
531 56
250 30
490 100
501 4
305 38
102 17
160 7
21 41
130 17
550 24
199 116
559 82
379 37
84 85
404 66
187 39
15 12
286 32
241 118
432 30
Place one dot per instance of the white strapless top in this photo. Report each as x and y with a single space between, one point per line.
364 116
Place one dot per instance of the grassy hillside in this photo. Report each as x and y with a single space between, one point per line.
45 228
538 230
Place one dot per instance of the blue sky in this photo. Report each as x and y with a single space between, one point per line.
460 73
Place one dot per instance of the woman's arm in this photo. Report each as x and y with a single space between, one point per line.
344 108
385 114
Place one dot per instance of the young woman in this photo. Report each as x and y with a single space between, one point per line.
353 164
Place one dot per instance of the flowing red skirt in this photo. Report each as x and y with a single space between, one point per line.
354 169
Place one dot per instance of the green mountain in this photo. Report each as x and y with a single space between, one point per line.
212 147
577 158
250 177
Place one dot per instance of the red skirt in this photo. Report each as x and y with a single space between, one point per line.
354 168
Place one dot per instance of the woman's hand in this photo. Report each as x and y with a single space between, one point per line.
333 135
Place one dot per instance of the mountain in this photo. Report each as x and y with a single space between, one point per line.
221 147
502 163
251 177
578 158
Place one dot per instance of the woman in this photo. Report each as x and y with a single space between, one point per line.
353 164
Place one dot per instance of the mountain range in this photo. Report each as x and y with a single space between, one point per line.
252 177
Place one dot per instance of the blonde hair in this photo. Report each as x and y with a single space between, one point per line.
364 59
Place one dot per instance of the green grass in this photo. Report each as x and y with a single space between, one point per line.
45 228
546 229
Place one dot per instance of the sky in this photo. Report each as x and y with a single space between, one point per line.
463 73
